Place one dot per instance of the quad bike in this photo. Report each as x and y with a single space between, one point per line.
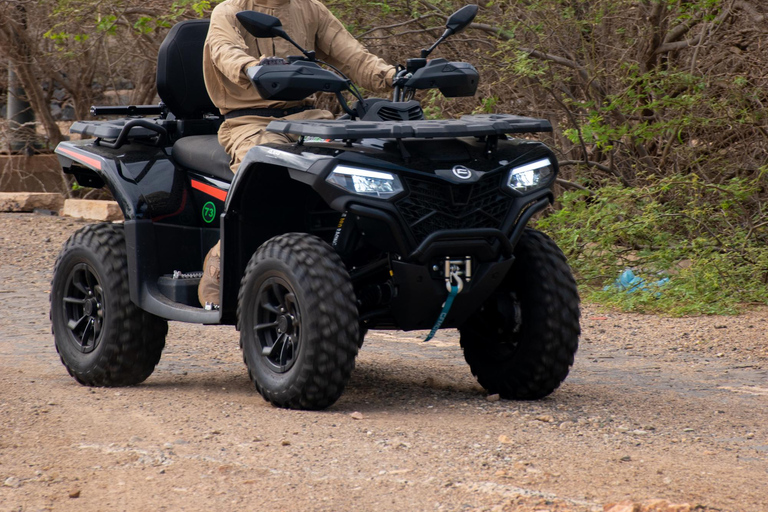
378 220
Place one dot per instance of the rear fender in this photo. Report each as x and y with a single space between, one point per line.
94 170
143 180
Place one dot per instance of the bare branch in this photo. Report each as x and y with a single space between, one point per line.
573 186
680 30
596 165
749 9
395 25
399 34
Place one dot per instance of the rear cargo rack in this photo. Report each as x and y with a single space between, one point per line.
118 131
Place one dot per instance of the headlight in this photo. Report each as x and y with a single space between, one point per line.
530 176
364 182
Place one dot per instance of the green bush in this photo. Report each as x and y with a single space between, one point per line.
710 240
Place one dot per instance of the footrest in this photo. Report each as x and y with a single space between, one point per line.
181 287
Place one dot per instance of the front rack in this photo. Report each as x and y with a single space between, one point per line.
484 125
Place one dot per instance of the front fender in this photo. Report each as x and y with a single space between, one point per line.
265 199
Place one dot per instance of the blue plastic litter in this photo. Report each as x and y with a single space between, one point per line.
630 283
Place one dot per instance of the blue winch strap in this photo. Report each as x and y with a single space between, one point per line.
444 312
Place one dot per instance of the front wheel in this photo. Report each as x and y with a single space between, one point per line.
298 322
522 341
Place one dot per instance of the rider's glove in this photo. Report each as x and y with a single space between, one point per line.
401 78
272 61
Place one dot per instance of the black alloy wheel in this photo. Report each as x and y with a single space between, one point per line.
298 322
522 341
103 339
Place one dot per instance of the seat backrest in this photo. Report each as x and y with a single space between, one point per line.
180 81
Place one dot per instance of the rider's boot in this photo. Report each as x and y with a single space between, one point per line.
210 283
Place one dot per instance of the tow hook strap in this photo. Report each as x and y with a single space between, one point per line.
455 289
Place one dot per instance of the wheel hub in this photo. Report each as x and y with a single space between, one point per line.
91 307
278 324
82 303
285 324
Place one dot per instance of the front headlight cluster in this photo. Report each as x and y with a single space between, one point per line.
365 182
530 176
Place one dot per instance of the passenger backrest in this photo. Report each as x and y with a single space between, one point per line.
180 81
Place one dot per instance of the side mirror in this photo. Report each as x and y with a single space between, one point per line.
457 22
261 25
461 19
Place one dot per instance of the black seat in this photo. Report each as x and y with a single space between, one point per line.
180 81
203 153
181 86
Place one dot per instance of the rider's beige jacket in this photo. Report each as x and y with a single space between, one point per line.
230 50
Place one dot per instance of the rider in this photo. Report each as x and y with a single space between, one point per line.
230 50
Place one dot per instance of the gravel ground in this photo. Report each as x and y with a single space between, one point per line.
669 408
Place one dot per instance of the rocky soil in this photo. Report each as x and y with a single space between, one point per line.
655 408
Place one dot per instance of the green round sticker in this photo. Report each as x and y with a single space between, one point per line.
209 212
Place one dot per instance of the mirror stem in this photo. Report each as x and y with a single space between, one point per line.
310 55
425 53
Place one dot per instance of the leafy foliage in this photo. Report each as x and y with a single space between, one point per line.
709 240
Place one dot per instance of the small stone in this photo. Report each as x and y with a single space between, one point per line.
285 442
493 398
30 201
687 430
639 432
623 506
750 435
505 439
626 458
92 209
357 415
74 494
12 482
546 418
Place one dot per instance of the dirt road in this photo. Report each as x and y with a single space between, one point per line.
653 408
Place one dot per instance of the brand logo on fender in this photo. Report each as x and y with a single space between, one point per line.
462 172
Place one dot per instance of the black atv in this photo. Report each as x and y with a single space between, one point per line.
379 220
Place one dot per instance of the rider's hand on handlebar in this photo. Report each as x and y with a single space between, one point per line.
401 78
273 61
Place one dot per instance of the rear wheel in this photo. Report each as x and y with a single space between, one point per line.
102 338
521 343
298 322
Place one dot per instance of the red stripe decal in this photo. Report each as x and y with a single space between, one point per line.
221 195
81 158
